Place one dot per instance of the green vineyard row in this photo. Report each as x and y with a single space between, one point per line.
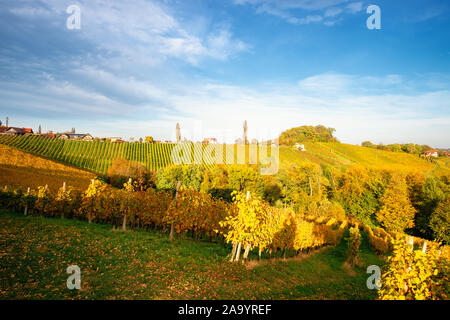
97 156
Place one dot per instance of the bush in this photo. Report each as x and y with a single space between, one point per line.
353 245
414 275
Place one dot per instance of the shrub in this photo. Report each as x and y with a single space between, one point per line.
353 245
414 275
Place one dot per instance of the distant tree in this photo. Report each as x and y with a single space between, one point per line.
149 139
307 133
367 144
191 176
140 140
397 213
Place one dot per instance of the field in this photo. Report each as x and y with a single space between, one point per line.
35 252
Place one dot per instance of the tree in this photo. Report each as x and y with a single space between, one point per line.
440 221
396 213
359 191
191 177
307 133
432 194
367 144
245 178
149 139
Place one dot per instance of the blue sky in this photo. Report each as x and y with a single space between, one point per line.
136 68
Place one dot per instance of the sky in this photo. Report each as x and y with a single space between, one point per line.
135 68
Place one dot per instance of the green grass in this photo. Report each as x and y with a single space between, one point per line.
35 252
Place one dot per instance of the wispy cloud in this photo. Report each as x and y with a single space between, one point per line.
299 12
343 101
355 7
146 31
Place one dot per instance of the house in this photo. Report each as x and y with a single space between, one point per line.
16 131
48 135
116 139
431 153
209 140
300 147
76 136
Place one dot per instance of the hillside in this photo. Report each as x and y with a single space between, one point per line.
341 155
146 265
21 169
98 156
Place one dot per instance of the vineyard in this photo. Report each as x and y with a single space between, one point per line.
248 224
94 156
251 229
97 156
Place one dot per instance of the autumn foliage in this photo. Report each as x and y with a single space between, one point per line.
415 274
397 213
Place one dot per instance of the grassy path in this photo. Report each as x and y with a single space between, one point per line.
35 252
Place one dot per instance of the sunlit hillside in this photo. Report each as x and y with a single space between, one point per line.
21 169
341 155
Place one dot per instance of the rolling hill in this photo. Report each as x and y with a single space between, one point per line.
97 156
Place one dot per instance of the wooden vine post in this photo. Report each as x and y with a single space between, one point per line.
124 223
26 203
176 197
63 200
91 205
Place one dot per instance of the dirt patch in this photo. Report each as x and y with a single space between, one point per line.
256 263
347 267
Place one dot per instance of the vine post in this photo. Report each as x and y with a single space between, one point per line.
176 197
26 204
124 223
